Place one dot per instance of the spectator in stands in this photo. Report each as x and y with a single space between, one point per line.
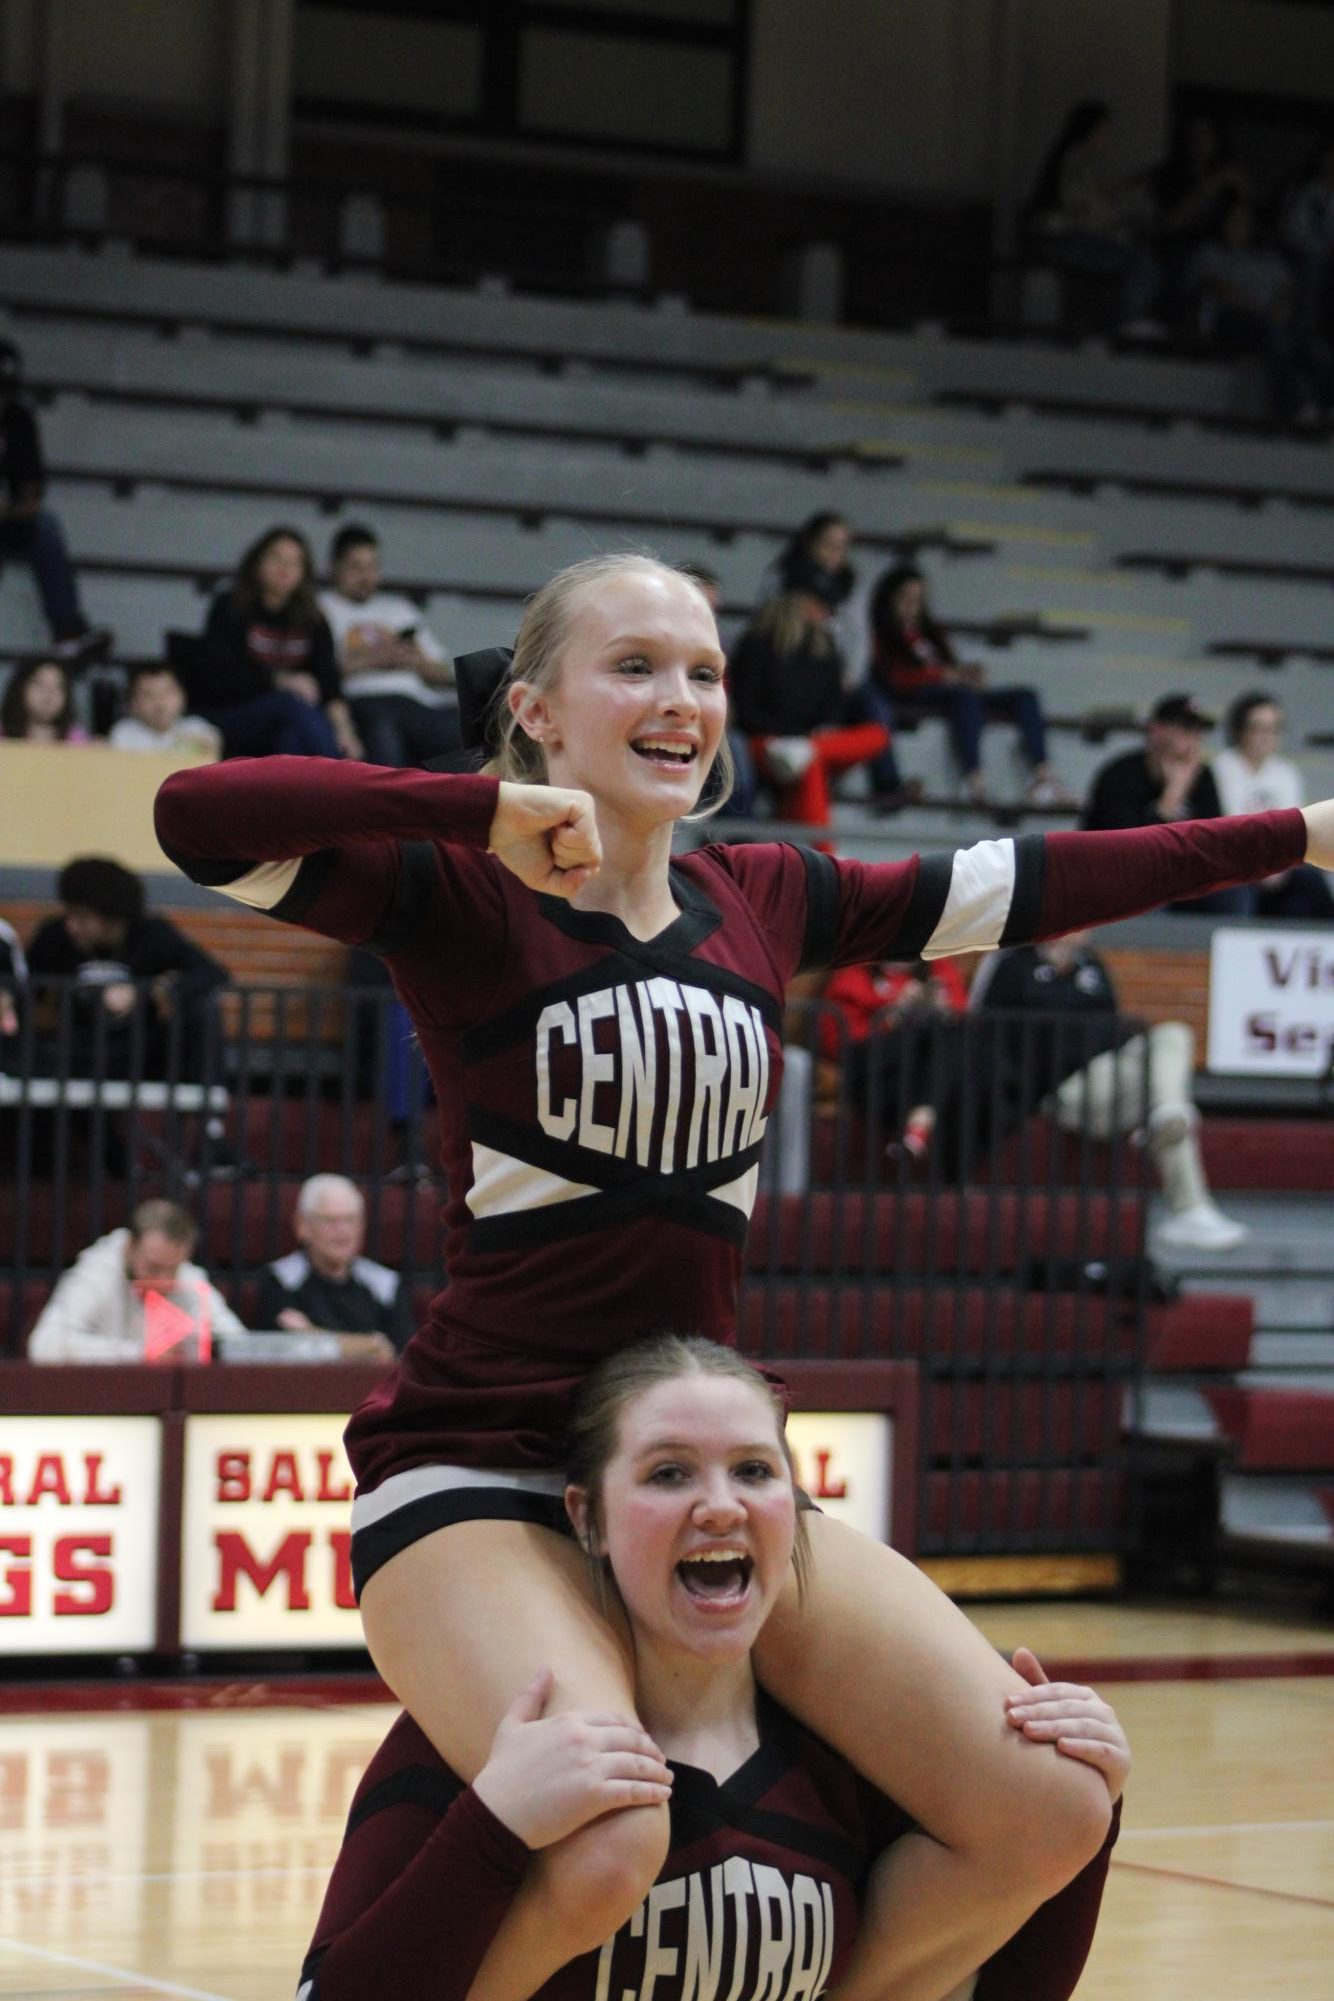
327 1283
1245 303
266 675
1253 777
13 982
155 717
1191 190
889 1058
142 987
38 705
815 561
33 532
740 801
1091 226
1308 235
787 694
1088 1072
97 1311
398 679
1168 780
913 667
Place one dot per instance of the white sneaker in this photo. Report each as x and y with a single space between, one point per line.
1202 1227
789 758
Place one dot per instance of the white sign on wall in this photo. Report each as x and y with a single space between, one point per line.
78 1534
1271 1001
266 1536
845 1461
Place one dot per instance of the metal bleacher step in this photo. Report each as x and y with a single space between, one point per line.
1297 1351
1298 1308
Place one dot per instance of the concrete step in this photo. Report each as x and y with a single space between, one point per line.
1290 1237
1287 1349
1299 1304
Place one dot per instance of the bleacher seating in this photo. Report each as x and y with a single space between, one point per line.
494 437
1105 528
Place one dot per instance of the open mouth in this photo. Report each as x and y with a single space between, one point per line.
669 756
721 1579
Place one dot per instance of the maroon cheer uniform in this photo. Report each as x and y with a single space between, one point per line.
602 1098
758 1899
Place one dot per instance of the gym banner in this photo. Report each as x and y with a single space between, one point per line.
79 1501
1271 1001
845 1462
265 1535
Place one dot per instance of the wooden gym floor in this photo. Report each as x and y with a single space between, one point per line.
149 1850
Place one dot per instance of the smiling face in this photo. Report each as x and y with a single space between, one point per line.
637 707
698 1515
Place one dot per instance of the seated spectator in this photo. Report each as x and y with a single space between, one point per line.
38 705
1308 236
815 560
787 693
397 677
1252 777
1245 303
266 675
1089 1075
1092 226
913 667
740 801
327 1284
13 983
143 987
155 717
888 1059
96 1313
1192 189
1167 780
32 532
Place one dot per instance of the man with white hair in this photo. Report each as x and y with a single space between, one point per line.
326 1283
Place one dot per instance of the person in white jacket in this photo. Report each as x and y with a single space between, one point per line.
96 1313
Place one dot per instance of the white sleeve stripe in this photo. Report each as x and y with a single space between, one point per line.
264 886
978 905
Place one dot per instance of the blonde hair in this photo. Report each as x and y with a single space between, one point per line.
629 1373
543 633
784 622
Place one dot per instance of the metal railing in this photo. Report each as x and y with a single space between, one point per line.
1004 1254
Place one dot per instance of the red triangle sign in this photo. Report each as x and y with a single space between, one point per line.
166 1325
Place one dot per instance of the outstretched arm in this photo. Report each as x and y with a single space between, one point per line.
1014 892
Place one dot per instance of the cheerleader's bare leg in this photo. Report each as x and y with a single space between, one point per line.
883 1666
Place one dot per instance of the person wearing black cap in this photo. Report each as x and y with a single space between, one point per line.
29 530
128 966
1168 780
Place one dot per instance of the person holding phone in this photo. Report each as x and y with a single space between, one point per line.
398 679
